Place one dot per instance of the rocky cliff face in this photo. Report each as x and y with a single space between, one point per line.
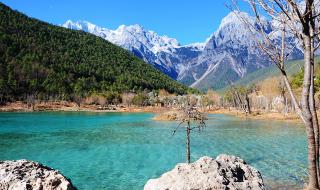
230 53
29 175
224 172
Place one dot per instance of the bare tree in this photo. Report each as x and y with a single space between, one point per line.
282 90
127 98
301 20
240 96
192 119
77 99
31 101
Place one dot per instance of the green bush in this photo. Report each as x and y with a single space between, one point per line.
141 99
297 80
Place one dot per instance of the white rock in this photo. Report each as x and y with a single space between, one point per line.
29 175
225 172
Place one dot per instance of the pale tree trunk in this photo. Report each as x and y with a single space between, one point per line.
292 96
314 116
284 74
312 98
312 158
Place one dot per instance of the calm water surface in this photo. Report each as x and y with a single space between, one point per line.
122 150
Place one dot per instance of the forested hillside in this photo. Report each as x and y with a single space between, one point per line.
46 61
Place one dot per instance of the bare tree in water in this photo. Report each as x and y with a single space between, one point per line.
192 119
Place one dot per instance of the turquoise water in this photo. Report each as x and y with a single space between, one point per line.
122 150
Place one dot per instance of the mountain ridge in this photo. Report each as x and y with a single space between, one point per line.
159 51
230 52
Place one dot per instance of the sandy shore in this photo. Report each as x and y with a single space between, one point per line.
174 114
259 115
71 106
162 113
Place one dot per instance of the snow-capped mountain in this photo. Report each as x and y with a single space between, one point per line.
159 51
232 52
228 54
127 36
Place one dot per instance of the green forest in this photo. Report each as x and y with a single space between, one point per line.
46 61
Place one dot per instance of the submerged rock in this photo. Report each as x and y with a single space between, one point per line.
223 173
29 175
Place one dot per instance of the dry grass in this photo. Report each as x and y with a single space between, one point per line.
270 87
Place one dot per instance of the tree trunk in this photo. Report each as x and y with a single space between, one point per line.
314 112
248 104
305 107
234 102
312 93
292 96
314 120
188 143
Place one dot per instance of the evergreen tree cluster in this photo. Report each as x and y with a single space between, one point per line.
42 60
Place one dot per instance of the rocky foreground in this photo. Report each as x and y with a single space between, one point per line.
224 172
29 175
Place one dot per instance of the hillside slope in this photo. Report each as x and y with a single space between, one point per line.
292 67
45 60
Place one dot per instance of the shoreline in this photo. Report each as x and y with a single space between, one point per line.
259 115
56 106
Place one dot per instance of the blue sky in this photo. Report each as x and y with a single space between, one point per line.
186 20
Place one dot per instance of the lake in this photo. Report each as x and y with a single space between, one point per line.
123 150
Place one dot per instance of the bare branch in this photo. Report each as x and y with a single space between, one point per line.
282 8
175 130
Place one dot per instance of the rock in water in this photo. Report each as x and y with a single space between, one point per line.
29 175
224 173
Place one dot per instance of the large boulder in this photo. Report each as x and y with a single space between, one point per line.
29 175
223 173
